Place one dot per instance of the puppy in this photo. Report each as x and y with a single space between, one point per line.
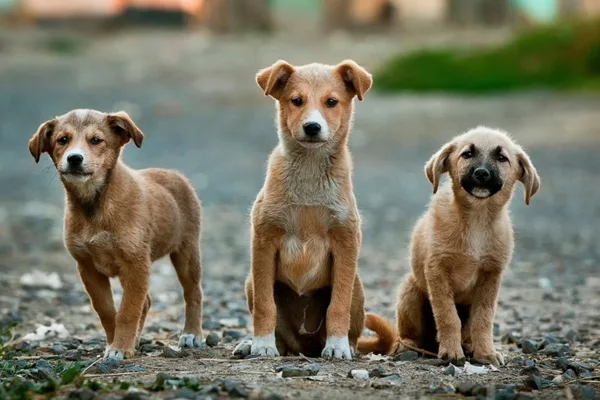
459 249
119 220
303 291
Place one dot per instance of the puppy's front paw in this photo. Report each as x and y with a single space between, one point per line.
337 347
189 340
264 346
117 354
489 357
452 352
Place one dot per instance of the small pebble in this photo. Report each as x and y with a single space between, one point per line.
451 370
169 352
108 365
407 356
379 372
82 394
212 339
442 389
569 375
529 346
530 371
72 355
534 382
359 374
466 388
572 336
234 388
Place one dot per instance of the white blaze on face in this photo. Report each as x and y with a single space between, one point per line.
315 116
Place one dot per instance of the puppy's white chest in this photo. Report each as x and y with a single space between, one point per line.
478 241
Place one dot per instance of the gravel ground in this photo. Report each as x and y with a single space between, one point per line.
195 100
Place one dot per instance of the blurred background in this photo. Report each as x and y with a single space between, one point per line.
184 70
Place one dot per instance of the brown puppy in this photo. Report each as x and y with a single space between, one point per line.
459 250
303 291
118 221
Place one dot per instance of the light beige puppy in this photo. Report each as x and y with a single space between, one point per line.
459 249
119 220
303 291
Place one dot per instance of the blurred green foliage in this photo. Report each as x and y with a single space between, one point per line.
563 56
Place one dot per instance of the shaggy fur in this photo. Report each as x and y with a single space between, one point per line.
303 291
119 220
459 250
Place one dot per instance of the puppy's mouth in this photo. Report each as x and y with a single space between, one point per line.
76 174
311 143
481 191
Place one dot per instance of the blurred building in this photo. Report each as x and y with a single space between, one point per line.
240 15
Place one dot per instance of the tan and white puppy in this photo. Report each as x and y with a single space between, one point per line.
459 249
303 291
119 220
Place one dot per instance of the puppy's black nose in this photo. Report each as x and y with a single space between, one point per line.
311 128
75 160
481 175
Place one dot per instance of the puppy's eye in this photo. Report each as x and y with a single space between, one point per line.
331 102
467 154
63 140
501 158
297 101
95 140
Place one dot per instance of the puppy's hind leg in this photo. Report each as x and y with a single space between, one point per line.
147 305
189 272
409 315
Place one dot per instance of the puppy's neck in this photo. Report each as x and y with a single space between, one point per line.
471 209
89 198
313 176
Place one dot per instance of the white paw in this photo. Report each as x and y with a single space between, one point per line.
112 353
264 346
189 340
337 347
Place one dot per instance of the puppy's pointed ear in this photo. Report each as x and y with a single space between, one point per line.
438 165
529 176
122 124
40 142
358 81
272 80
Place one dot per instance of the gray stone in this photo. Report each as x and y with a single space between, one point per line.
451 370
212 339
234 388
529 346
359 374
407 356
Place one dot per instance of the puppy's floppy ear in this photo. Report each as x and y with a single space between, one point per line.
358 81
40 142
529 176
121 124
438 165
272 80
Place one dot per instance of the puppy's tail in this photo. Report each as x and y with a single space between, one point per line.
385 340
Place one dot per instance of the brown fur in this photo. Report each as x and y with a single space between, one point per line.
459 250
119 220
306 229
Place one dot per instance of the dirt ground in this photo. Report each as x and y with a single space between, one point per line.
195 99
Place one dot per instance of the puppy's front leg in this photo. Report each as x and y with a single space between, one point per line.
264 311
344 249
135 280
445 315
481 319
98 288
